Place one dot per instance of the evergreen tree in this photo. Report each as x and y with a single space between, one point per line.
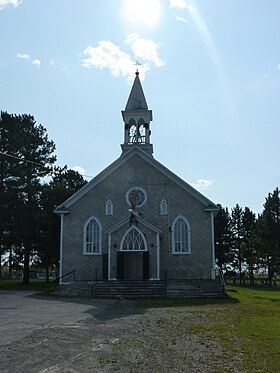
64 183
249 251
223 238
267 234
9 151
26 156
238 236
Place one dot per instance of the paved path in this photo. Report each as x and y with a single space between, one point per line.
52 334
22 312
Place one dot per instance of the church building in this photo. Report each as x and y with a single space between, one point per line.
137 225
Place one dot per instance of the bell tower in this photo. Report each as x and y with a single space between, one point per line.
137 118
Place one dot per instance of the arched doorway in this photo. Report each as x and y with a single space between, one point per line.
133 256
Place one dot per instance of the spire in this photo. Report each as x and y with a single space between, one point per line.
137 118
136 99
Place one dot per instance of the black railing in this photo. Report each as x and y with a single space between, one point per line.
94 276
220 275
71 274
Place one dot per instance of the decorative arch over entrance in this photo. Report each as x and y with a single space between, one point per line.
133 256
133 240
132 243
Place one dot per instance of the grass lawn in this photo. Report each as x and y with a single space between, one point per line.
35 284
247 323
255 322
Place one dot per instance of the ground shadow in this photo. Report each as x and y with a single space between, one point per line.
101 309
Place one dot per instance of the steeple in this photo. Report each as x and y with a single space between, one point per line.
137 118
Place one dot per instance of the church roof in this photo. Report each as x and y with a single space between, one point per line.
136 99
135 150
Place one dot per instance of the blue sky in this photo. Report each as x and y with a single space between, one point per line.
210 71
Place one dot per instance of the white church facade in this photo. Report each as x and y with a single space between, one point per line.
136 222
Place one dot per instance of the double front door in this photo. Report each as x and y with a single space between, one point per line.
133 265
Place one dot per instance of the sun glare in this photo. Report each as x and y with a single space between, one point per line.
141 13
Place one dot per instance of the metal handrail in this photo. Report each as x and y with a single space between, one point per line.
94 276
67 274
221 276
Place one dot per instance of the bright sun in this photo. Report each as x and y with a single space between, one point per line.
141 13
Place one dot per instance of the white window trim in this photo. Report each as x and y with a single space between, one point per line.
142 236
139 188
173 238
163 207
109 208
85 235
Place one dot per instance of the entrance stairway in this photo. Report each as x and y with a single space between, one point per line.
115 289
195 288
140 289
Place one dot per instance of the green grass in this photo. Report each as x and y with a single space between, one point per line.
256 323
35 284
247 323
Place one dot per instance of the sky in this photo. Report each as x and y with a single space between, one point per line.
210 71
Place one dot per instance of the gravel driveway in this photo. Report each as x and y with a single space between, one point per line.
47 334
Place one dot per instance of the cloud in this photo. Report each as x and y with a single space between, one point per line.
23 56
181 4
79 169
202 184
36 62
110 56
146 49
279 66
4 3
181 19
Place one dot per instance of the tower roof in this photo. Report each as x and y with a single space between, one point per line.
136 99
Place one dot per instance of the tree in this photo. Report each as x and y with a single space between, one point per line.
238 236
223 238
26 159
249 251
9 152
267 234
64 183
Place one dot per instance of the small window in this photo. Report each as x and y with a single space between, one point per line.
109 207
181 236
92 237
163 207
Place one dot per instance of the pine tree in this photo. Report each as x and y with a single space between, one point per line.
267 234
223 238
26 156
238 237
64 183
249 251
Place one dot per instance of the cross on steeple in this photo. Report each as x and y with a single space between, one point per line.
137 63
137 118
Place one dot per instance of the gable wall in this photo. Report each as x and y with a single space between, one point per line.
137 172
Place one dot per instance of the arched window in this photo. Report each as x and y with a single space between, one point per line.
133 240
163 208
181 236
109 207
92 237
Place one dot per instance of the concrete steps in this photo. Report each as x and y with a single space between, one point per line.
140 289
115 289
195 288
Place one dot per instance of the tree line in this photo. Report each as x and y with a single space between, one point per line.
29 230
249 244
